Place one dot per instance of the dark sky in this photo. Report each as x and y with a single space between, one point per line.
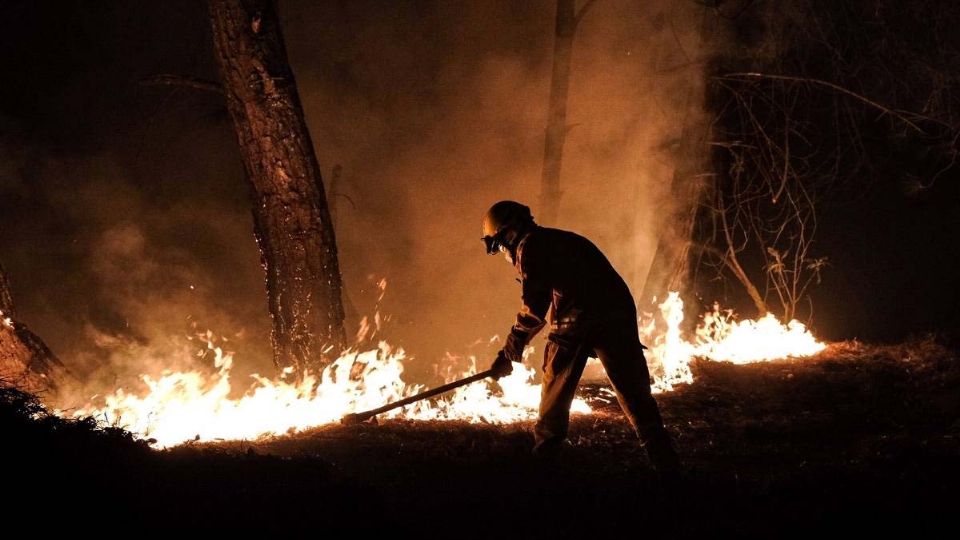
124 215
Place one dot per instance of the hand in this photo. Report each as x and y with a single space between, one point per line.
501 367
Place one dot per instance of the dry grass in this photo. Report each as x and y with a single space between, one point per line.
859 437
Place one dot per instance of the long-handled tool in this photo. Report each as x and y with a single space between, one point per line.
356 418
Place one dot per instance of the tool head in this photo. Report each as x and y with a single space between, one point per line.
353 419
350 419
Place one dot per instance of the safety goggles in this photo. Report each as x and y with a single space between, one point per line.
493 243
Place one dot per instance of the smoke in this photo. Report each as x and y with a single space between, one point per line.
437 112
121 283
130 232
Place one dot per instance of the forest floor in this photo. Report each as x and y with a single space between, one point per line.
862 439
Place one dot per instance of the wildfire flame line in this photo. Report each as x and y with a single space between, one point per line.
182 406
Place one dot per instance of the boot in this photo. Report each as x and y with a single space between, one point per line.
551 448
663 458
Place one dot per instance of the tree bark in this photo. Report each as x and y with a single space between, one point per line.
6 300
291 219
25 360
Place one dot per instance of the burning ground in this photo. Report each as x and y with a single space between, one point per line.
841 435
177 406
857 437
746 145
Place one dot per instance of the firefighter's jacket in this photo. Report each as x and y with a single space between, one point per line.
565 274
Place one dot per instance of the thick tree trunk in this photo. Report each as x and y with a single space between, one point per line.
671 262
291 218
670 268
25 361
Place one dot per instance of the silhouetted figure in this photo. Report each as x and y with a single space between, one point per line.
591 310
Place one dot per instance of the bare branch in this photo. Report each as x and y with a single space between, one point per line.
184 81
899 115
583 11
347 197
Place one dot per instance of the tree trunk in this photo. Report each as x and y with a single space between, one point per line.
556 133
350 313
670 268
291 219
25 361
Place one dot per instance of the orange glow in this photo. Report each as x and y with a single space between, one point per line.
182 406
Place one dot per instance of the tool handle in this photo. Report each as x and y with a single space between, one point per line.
361 416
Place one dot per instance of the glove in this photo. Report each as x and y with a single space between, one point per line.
501 367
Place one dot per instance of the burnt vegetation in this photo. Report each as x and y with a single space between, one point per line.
858 438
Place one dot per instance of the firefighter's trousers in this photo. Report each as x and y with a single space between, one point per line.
618 348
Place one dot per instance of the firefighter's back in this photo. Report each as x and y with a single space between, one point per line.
585 285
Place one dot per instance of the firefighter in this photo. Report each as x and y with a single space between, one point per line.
591 312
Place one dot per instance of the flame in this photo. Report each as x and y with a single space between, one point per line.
183 406
719 337
192 405
723 339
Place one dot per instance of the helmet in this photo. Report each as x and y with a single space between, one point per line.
503 218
